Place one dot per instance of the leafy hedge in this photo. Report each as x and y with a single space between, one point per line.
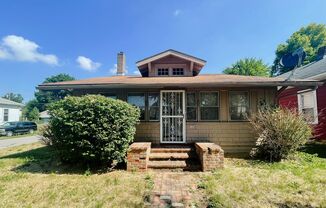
280 132
91 129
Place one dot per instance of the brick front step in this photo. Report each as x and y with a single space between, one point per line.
171 155
174 164
172 150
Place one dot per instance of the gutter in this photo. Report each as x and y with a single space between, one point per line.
192 85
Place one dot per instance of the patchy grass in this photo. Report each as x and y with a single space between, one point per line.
297 182
30 176
17 136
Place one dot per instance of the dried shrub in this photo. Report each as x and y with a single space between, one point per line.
280 132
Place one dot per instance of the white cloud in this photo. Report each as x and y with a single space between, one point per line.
114 68
136 72
87 63
176 12
20 49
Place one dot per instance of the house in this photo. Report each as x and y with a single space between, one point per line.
44 116
310 102
180 105
10 110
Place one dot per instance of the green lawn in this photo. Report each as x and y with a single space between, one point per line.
299 182
30 176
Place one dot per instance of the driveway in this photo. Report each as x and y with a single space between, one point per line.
18 141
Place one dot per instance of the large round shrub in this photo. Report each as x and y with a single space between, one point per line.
92 129
280 132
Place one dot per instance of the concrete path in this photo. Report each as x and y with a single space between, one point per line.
4 143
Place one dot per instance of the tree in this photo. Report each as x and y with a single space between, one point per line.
14 97
34 114
30 105
59 78
311 38
46 97
248 66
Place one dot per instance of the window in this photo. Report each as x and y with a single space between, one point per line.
239 105
113 96
5 114
138 99
154 106
177 71
307 104
163 71
209 106
191 106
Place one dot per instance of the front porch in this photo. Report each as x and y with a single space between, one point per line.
186 157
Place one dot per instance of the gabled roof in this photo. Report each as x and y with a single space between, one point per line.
315 70
205 80
9 102
170 52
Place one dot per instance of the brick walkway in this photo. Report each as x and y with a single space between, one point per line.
176 189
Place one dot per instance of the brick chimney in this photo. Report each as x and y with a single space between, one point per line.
121 64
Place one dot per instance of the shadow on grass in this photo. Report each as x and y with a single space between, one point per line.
44 160
315 148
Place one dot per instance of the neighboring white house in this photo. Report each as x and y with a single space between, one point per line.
10 110
45 116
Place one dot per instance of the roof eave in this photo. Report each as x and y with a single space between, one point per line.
192 85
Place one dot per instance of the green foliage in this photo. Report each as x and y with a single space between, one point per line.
28 109
248 66
311 38
34 114
46 97
14 97
280 132
59 78
92 129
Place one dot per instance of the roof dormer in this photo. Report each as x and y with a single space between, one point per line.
170 63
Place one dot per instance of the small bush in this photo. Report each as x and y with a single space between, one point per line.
280 132
91 129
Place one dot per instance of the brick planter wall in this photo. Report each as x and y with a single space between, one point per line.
138 156
211 156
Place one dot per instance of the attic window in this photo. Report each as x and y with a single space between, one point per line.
177 71
162 71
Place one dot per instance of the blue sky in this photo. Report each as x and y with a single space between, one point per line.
42 38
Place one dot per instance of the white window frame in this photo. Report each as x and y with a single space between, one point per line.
315 104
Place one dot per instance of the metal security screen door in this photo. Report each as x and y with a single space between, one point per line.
172 119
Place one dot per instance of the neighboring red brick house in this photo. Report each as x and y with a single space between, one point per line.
310 102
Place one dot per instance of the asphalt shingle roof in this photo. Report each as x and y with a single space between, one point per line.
307 71
9 102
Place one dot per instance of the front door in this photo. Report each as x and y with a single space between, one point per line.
172 121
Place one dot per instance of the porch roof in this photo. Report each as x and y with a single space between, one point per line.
204 80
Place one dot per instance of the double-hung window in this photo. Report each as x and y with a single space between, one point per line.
307 104
191 106
138 99
154 106
209 106
5 114
177 71
239 105
163 71
113 96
